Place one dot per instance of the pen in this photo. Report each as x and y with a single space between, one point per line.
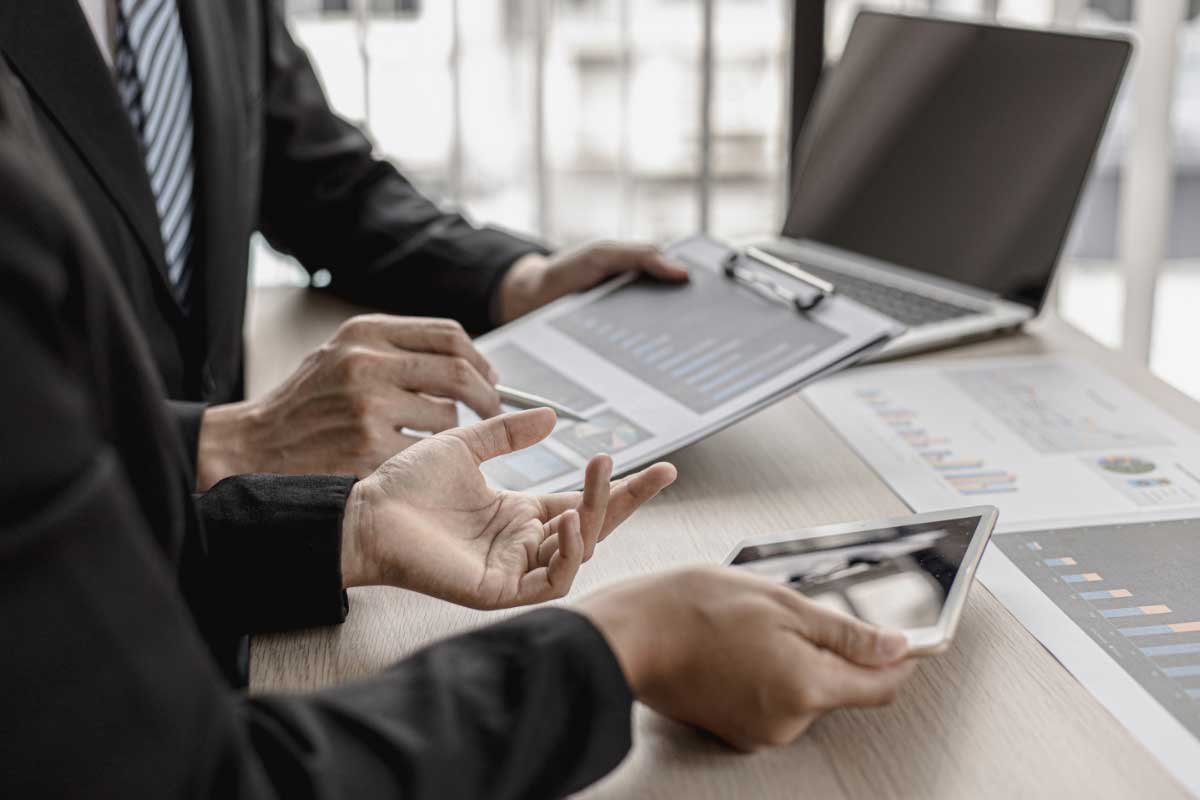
788 268
515 397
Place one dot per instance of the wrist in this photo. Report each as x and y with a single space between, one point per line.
522 288
643 654
356 559
221 449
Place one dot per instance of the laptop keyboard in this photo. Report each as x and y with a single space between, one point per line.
905 307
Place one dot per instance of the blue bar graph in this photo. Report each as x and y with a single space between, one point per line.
1190 671
1106 594
1133 589
1172 649
1147 630
718 343
1134 611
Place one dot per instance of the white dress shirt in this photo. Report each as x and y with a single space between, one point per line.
101 17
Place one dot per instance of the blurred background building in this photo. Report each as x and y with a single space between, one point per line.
579 119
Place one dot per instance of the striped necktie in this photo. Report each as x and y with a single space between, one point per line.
151 66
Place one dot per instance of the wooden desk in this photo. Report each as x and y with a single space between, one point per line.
996 716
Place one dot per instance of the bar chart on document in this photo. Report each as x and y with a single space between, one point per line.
704 353
967 472
1039 438
1133 589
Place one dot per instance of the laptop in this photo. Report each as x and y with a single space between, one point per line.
939 167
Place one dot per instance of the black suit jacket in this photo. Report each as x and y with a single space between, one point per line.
270 156
121 598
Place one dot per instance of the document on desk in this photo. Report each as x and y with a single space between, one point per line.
1118 604
655 366
1043 439
1097 551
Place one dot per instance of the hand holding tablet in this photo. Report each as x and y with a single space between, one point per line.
743 658
907 573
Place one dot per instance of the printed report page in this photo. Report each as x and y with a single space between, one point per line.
1040 438
654 366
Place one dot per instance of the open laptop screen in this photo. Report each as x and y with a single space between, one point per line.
954 148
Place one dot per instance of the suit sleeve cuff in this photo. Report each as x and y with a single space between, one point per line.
188 417
505 251
592 687
274 547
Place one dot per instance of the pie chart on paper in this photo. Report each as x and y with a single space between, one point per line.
1125 465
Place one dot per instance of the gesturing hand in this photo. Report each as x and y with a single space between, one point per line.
426 520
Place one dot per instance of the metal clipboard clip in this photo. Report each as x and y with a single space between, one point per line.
766 286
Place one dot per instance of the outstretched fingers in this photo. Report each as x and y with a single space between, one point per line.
631 493
554 579
625 496
593 507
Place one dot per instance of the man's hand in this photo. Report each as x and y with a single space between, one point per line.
750 661
536 280
427 520
343 410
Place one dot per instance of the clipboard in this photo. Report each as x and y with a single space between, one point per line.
654 367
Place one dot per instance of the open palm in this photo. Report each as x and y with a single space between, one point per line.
432 524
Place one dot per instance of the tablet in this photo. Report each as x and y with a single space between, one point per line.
908 573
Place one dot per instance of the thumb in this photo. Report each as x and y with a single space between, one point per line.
850 638
506 433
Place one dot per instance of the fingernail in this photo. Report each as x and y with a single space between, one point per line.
891 646
493 376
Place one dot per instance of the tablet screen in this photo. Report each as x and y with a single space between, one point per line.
896 577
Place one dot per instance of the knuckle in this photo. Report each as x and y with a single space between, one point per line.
342 360
327 353
782 596
457 343
460 371
445 329
452 327
849 638
869 640
406 363
354 362
354 328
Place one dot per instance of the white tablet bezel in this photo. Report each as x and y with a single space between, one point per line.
921 641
